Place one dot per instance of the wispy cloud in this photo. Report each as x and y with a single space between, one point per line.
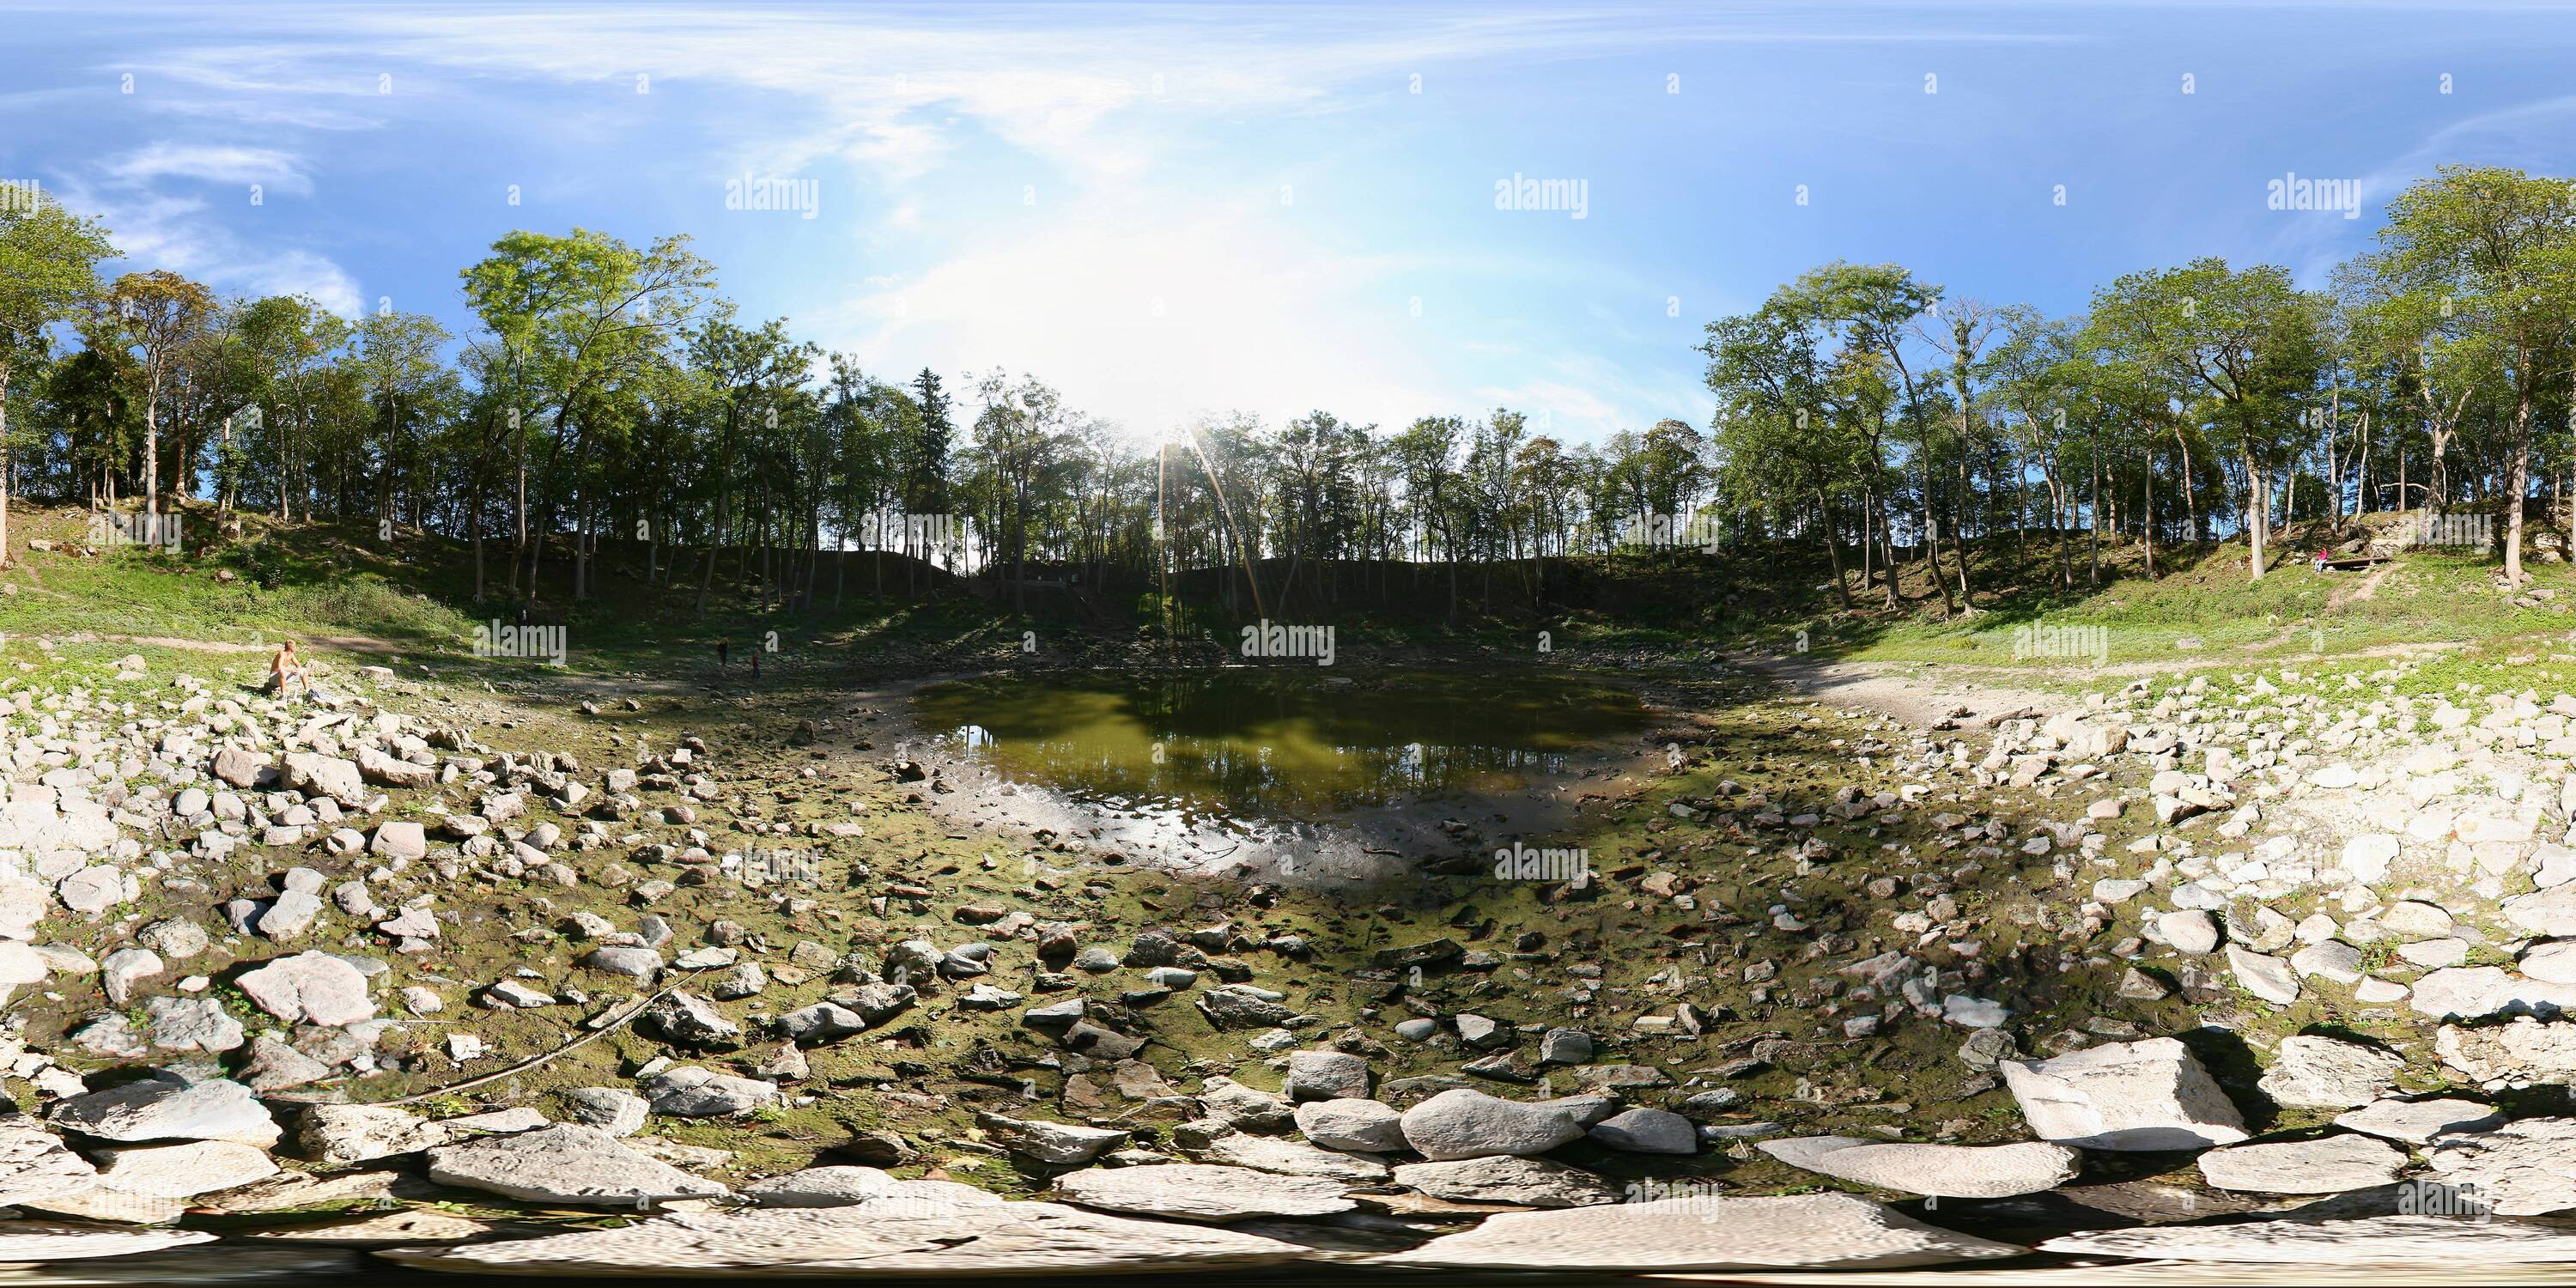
267 168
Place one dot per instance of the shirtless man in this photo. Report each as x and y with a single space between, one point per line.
286 667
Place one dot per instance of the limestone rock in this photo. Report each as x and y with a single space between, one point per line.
183 1170
2326 1073
565 1164
1291 1158
2445 1241
1365 1126
48 1241
310 988
1059 1144
2523 1168
968 1240
337 1135
159 1109
1819 1231
2327 1165
1646 1131
1463 1123
1948 1171
1202 1192
1500 1178
2149 1095
34 1165
2416 1122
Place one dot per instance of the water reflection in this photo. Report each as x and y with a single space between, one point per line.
1276 744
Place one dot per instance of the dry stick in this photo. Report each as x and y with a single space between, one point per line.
532 1061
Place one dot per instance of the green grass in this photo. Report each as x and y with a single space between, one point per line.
417 594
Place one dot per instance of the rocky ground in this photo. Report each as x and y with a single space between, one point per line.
2251 967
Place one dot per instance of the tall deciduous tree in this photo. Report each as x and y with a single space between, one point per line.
156 313
2499 247
48 274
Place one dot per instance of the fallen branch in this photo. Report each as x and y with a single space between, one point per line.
532 1061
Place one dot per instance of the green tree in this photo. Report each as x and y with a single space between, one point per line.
2498 248
155 314
48 273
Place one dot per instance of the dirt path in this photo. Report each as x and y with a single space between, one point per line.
367 644
2368 589
1924 695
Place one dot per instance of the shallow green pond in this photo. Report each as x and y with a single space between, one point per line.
1277 743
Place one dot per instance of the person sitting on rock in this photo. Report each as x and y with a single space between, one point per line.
284 668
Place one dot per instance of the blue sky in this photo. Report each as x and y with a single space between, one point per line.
1174 209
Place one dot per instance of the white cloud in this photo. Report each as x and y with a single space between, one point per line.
213 163
1147 321
178 233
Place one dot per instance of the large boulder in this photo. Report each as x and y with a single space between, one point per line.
183 1170
1057 1144
2475 992
1946 1171
392 771
2327 1165
310 988
843 1185
2415 1122
920 1236
318 775
1326 1075
163 1109
2445 1240
1291 1158
1201 1192
1524 1182
691 1021
338 1135
692 1092
565 1163
2550 912
2523 1168
1463 1123
48 1241
241 768
2149 1095
1363 1125
1646 1131
2327 1073
35 1166
1807 1231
